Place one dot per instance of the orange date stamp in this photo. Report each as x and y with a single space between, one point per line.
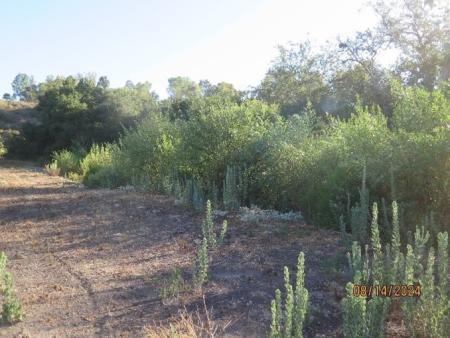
388 290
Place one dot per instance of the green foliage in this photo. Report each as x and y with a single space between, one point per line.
288 321
67 161
75 111
3 149
202 264
12 308
23 87
354 314
425 316
208 226
223 232
96 167
231 189
174 285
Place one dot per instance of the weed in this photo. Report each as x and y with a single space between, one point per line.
202 264
223 231
288 321
174 285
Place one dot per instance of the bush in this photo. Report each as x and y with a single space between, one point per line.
12 308
98 169
67 161
145 155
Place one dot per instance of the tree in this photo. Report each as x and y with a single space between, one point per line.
420 29
103 82
7 96
24 87
294 79
181 88
129 84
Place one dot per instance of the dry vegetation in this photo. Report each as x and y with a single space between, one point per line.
93 263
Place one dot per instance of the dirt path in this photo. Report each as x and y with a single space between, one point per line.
90 263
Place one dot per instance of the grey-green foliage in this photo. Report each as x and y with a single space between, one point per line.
362 317
277 316
202 264
288 320
359 220
193 194
424 316
12 307
208 226
354 314
174 285
223 231
231 188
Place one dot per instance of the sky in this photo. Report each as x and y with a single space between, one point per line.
153 40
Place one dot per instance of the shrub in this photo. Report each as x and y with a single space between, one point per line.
145 155
12 308
98 169
2 147
67 161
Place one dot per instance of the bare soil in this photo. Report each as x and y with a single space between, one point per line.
91 263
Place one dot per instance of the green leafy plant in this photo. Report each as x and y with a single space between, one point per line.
67 161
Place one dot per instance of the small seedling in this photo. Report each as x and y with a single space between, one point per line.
173 286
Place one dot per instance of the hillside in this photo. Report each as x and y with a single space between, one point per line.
14 114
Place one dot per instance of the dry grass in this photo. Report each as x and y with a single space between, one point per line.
187 325
52 169
12 105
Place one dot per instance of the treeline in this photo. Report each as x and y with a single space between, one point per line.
300 140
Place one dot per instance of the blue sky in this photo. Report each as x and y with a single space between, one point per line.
138 40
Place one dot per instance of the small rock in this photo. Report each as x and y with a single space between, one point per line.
197 241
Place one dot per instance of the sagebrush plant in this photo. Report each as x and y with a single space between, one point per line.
12 308
288 317
424 316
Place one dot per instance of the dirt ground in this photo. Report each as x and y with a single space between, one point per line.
91 263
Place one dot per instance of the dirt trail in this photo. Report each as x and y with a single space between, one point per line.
89 263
